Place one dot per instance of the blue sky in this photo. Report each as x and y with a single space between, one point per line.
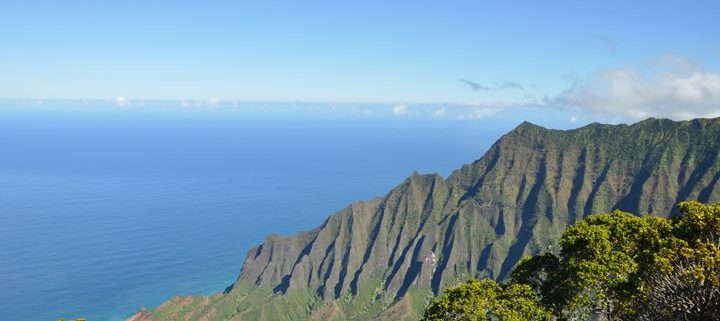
584 55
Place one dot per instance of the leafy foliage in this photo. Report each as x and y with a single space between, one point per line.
617 265
476 300
688 285
604 261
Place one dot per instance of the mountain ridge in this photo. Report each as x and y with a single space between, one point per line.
385 257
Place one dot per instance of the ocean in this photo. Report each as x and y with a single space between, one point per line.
104 210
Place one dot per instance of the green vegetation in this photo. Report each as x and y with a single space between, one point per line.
477 300
618 266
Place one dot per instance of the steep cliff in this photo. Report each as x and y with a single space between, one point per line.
383 259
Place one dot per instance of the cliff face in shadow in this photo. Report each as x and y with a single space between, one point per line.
382 259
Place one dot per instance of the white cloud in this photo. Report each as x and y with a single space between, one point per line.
671 87
186 103
213 101
440 112
573 119
479 113
210 102
399 109
360 110
122 101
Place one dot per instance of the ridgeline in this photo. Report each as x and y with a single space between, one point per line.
385 258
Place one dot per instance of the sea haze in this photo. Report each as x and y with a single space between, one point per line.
107 209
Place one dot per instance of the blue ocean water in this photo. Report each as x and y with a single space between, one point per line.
106 210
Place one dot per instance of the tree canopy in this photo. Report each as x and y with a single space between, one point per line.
477 300
616 265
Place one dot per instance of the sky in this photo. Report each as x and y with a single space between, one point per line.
623 59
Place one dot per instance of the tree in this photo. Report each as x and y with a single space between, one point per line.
485 300
605 260
687 286
601 267
614 266
540 273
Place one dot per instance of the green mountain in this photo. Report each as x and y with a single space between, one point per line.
384 258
